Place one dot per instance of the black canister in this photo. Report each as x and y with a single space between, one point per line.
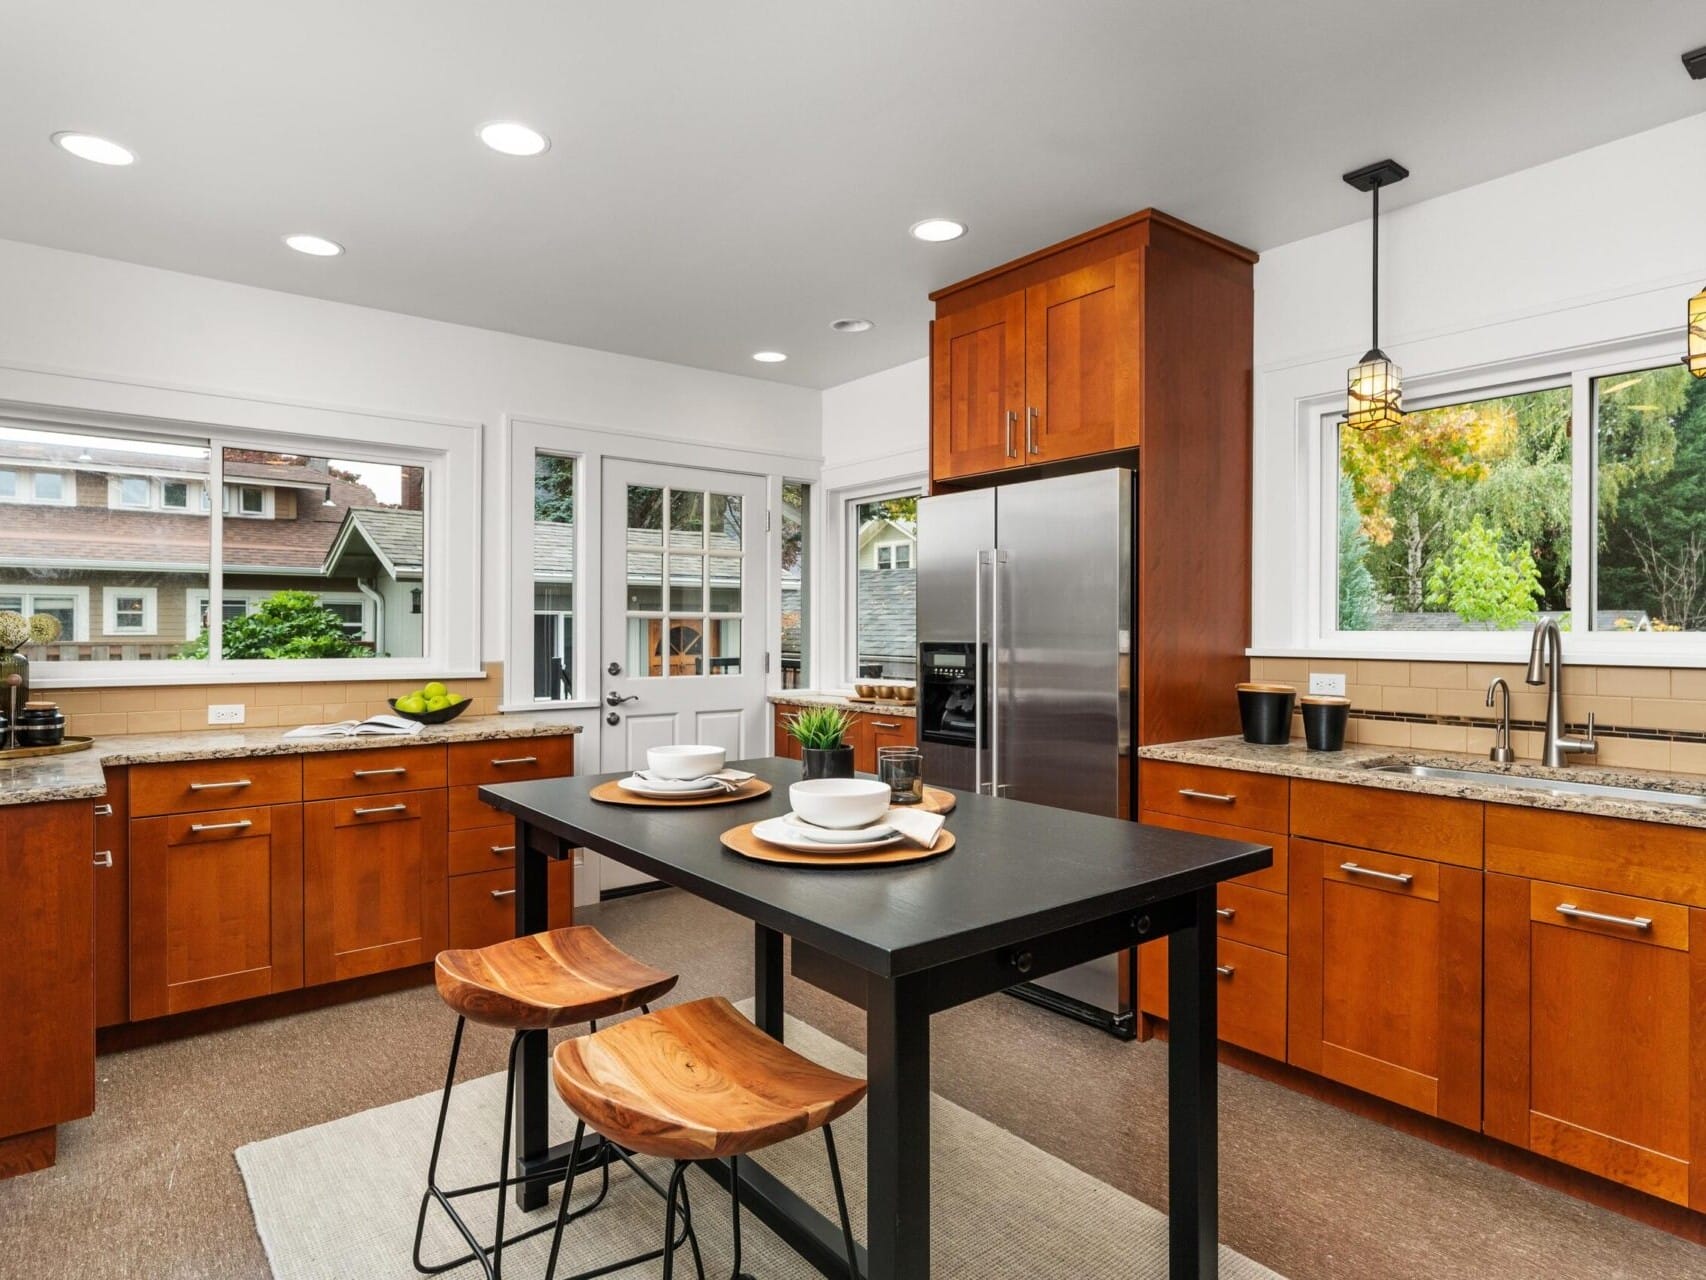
1324 720
1266 712
40 724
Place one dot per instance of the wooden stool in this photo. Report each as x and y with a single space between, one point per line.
698 1082
528 984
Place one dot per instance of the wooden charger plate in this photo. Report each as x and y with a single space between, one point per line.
937 800
610 793
741 840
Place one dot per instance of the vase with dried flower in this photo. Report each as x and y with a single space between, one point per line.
16 631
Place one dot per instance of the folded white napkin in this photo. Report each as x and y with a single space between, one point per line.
730 779
916 825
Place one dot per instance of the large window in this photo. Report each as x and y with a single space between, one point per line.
1492 513
553 577
796 583
885 627
328 562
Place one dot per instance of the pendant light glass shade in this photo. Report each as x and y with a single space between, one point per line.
1375 394
1696 357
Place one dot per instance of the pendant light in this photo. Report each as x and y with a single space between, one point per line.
1375 394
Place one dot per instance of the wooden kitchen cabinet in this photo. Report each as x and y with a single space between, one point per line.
866 731
1082 361
215 907
47 1056
1385 982
482 904
978 387
112 901
1252 989
374 871
891 731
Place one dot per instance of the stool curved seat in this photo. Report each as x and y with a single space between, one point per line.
697 1081
547 980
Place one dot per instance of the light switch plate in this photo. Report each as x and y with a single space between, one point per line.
226 713
1327 683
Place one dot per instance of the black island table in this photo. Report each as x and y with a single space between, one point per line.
1028 890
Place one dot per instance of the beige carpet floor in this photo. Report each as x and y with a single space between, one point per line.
338 1201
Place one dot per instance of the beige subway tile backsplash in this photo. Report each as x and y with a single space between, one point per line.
1632 682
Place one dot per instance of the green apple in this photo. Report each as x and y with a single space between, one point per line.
413 704
435 690
437 704
453 699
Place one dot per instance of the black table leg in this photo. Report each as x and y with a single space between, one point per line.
897 1156
767 976
1193 1175
532 1101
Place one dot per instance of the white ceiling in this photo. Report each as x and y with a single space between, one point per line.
731 175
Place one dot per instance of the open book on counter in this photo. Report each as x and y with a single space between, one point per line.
383 726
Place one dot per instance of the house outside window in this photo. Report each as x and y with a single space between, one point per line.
131 610
135 491
8 485
885 628
175 495
49 486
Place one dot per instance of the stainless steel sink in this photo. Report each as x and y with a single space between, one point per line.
1557 786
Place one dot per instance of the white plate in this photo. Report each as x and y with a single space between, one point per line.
646 787
781 832
830 835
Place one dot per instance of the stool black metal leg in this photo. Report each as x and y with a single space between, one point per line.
438 1140
735 1272
687 1229
840 1204
669 1220
568 1190
497 1267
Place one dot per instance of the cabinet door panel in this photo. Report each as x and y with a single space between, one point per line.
899 732
112 902
215 908
482 906
374 885
1252 1013
372 770
1081 361
1386 976
978 388
482 849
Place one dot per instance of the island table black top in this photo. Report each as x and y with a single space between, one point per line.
1019 871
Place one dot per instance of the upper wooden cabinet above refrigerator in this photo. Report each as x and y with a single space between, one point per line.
1079 350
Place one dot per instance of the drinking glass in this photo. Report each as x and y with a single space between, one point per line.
903 769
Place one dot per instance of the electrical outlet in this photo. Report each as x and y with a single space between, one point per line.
1322 682
227 713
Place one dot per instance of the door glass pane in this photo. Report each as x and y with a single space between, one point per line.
686 519
644 658
725 522
645 516
686 647
723 647
645 581
686 583
725 584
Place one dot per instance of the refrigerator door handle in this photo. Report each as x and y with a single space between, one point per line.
977 672
997 558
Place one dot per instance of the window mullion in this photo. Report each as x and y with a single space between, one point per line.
1584 522
215 552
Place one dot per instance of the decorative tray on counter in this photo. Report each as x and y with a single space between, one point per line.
23 753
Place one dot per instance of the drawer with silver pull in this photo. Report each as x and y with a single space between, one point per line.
194 786
1258 801
337 774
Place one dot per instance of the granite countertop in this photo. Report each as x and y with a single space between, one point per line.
80 775
1355 763
807 698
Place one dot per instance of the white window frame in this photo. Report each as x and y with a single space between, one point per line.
28 591
150 611
443 448
115 493
189 507
1313 610
233 504
14 473
849 502
24 488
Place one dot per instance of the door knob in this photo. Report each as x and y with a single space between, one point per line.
615 668
612 718
614 699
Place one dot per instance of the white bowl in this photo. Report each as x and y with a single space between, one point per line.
684 762
840 803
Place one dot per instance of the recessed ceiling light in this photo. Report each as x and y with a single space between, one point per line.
851 325
86 146
514 139
769 357
314 246
938 229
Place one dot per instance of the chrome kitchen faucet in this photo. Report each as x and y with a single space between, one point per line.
1544 660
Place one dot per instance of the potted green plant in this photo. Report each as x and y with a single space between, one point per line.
822 735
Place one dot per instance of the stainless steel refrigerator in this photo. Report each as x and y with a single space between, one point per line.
1025 669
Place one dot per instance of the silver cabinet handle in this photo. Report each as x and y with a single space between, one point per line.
498 850
383 808
1031 430
396 770
1573 912
519 759
103 857
242 825
1215 796
883 724
503 893
1396 877
1226 970
1012 421
221 786
977 716
103 811
1226 913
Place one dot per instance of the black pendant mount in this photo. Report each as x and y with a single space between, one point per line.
1382 173
1695 61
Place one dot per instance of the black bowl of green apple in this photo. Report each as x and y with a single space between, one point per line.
430 704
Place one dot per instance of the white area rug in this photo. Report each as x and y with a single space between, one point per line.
338 1201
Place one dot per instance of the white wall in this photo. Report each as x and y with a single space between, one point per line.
1597 249
138 329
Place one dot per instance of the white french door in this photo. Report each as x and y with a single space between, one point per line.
682 623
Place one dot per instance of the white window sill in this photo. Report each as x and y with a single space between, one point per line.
1579 651
517 708
118 675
